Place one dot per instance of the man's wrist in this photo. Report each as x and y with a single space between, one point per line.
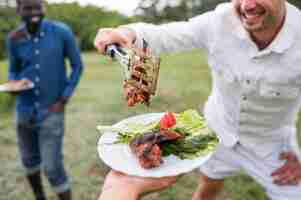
64 100
127 32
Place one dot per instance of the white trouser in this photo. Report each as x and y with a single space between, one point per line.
228 161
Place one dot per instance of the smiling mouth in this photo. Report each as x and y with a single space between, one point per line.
252 16
36 19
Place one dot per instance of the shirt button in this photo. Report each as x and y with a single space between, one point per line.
248 81
37 79
37 92
37 52
36 40
244 97
37 104
42 34
37 66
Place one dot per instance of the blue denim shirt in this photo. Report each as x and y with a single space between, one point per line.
41 59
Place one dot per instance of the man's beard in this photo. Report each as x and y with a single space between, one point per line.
33 26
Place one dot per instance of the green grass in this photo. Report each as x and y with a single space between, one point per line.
184 83
5 99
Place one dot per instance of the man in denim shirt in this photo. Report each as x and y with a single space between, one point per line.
37 52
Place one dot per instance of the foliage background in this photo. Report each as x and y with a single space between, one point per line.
84 21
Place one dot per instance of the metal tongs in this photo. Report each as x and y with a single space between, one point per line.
122 56
128 59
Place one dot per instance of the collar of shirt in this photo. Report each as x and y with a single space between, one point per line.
41 32
283 41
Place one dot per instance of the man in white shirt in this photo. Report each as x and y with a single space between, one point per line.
254 49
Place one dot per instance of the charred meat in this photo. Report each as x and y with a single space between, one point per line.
147 147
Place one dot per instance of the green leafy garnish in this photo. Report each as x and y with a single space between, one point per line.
197 139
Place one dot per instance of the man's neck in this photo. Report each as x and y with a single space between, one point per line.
33 30
264 38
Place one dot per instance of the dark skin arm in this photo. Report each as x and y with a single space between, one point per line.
290 172
59 106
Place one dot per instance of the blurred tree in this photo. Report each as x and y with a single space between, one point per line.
207 5
296 3
149 10
8 21
158 11
84 21
7 3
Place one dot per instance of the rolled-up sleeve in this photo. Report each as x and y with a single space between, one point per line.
72 52
175 36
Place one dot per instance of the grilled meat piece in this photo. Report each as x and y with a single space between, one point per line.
135 94
144 71
147 147
170 135
149 155
147 150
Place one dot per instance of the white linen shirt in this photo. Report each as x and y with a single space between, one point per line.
256 95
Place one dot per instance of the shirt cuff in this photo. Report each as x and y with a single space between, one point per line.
67 93
136 27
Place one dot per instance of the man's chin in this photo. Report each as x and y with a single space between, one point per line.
33 27
253 27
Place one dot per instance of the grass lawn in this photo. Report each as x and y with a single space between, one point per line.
5 100
184 83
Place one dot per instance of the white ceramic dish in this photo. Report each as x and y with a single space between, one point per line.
120 157
9 87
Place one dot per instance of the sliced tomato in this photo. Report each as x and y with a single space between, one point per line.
167 121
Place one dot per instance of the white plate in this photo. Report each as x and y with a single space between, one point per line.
7 88
120 157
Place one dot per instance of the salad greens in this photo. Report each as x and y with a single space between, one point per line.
197 139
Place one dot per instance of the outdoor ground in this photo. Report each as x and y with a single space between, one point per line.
184 83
